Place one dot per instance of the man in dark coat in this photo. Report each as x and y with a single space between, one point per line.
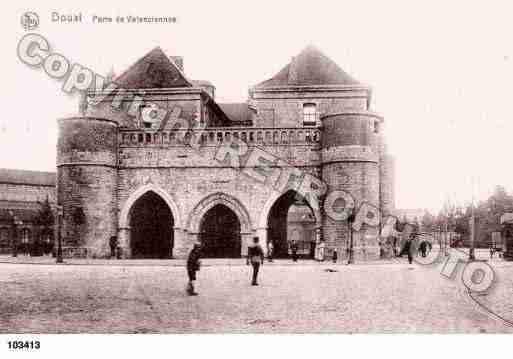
193 265
113 243
256 258
408 248
294 248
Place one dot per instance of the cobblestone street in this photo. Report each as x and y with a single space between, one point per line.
303 297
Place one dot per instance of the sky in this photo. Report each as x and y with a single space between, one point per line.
441 73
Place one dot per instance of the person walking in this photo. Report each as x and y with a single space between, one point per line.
423 248
293 249
256 258
335 255
193 265
322 246
408 249
270 249
113 244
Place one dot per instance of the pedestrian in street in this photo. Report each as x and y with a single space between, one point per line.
293 249
423 248
256 258
193 265
394 246
335 255
270 249
113 243
408 248
322 247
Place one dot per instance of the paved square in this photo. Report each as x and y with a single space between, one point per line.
291 298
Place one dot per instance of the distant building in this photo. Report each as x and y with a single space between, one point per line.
21 193
411 214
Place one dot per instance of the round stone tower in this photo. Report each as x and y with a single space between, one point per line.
86 184
350 163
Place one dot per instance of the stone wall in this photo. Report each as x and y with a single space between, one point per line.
86 183
284 107
351 164
105 166
26 193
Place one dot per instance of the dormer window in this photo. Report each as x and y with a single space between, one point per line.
310 114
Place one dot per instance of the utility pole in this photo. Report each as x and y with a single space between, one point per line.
471 254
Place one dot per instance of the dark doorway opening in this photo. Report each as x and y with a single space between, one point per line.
291 218
220 233
151 227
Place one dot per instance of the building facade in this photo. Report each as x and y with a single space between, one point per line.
22 194
160 164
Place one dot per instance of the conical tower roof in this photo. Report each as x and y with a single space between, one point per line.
310 68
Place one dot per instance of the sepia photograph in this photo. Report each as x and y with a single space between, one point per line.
256 168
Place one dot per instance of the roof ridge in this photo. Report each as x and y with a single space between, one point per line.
161 77
310 67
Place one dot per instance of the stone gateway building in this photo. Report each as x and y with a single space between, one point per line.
152 161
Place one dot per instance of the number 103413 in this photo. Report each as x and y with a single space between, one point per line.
27 344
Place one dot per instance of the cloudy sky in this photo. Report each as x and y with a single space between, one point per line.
442 74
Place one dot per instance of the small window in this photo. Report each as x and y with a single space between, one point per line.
309 114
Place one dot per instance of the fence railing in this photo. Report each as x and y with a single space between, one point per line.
214 136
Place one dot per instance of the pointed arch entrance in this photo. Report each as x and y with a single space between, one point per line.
148 224
151 227
289 216
220 233
222 224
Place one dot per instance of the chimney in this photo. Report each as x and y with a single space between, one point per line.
178 60
293 75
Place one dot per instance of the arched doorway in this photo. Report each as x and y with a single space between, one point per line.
151 227
220 233
291 217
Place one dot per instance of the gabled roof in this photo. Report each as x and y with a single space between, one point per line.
27 177
237 112
310 68
154 70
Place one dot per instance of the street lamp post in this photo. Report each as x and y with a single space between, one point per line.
471 254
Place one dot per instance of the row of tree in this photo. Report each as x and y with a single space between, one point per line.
456 218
